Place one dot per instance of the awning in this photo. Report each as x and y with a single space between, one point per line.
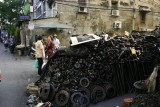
56 25
144 9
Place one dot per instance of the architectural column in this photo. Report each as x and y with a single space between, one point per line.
21 36
134 15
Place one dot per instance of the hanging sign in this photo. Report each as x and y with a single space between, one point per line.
31 25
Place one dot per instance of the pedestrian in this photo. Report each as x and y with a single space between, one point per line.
5 42
56 41
40 54
50 47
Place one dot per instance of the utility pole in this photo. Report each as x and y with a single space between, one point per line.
31 24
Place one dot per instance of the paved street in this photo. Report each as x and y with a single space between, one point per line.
17 73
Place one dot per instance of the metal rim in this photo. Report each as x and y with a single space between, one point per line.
62 98
76 97
84 82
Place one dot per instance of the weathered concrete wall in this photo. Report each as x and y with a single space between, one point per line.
98 18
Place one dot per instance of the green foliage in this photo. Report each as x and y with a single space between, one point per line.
9 14
17 35
26 8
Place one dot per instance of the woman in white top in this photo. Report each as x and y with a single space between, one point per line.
40 54
56 41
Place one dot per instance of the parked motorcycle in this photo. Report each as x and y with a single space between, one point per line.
12 46
5 42
32 52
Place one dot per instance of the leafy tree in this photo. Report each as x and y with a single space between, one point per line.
9 14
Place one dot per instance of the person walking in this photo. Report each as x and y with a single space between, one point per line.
40 54
5 42
50 47
56 41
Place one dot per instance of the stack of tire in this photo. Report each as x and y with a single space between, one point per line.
82 97
158 83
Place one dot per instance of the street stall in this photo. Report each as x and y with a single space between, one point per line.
98 67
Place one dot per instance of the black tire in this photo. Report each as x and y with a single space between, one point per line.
52 92
110 91
84 101
44 91
47 76
98 94
75 98
81 51
62 98
85 91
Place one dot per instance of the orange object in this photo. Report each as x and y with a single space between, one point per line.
0 76
128 102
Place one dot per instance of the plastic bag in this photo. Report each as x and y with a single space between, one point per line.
36 63
44 63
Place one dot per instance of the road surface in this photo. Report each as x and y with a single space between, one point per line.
17 72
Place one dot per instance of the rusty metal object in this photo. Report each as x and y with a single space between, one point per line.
128 102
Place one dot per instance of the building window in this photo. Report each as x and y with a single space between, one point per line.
114 5
51 3
44 6
43 9
38 12
37 1
143 17
82 6
54 11
82 2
